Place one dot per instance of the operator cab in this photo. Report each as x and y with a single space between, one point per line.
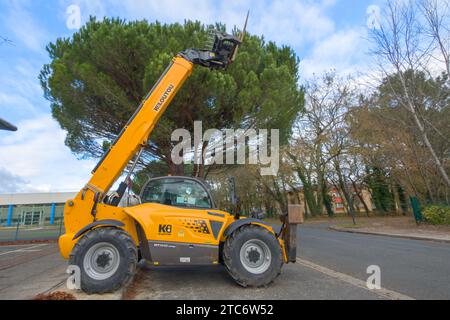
182 192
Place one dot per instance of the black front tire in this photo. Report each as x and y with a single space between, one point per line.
233 261
118 242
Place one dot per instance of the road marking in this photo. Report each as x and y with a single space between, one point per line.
384 293
29 249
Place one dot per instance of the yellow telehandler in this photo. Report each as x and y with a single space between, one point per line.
175 220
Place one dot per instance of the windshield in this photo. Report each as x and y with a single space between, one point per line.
177 192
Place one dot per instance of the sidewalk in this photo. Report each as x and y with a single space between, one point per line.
27 270
397 227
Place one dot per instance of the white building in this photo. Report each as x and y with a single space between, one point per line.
33 208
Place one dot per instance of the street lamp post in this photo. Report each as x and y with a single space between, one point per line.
4 125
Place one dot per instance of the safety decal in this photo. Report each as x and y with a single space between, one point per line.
198 226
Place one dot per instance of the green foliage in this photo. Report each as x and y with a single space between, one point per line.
98 77
381 194
402 199
436 214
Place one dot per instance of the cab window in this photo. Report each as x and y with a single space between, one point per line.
177 192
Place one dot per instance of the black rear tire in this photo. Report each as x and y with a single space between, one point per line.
119 255
235 262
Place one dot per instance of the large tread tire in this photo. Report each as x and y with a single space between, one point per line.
232 260
127 265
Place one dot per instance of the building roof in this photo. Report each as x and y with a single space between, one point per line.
35 198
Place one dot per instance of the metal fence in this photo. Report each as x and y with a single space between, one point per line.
19 223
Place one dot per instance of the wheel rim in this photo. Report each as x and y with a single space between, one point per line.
255 256
101 261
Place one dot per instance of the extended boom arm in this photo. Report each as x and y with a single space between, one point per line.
135 134
88 205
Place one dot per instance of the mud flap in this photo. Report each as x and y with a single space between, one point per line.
144 248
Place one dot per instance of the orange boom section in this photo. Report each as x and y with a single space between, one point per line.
136 132
81 211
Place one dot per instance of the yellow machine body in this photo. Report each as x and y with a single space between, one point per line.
164 225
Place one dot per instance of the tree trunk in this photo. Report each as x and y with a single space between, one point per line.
424 134
343 186
345 191
360 197
327 202
308 193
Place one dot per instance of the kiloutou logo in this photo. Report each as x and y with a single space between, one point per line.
164 97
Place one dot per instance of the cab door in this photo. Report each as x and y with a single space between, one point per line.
185 226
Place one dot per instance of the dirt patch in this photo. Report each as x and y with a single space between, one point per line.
58 295
133 288
405 227
398 223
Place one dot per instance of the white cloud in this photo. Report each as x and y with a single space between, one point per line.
20 92
170 10
37 156
24 28
299 23
344 51
284 21
15 101
294 23
9 182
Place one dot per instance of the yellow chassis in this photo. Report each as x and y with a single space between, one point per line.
185 224
88 211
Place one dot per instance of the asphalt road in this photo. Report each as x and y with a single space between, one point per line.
295 283
417 268
39 233
27 270
332 265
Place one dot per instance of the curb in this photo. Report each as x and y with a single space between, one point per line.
389 235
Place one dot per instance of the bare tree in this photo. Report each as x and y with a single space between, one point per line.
406 42
437 28
320 137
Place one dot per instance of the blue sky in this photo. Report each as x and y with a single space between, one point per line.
326 34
